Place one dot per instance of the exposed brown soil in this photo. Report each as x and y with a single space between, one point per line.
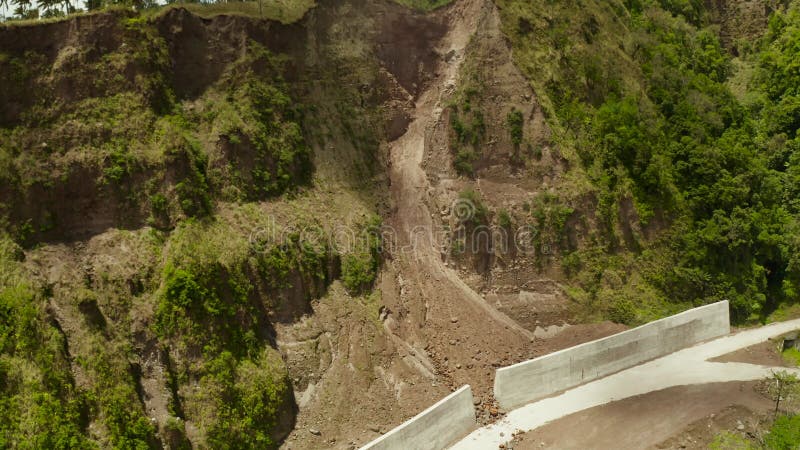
741 20
699 434
435 311
360 371
765 354
679 417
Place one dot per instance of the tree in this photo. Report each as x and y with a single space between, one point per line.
783 387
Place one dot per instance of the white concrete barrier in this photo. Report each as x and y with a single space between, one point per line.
542 377
450 419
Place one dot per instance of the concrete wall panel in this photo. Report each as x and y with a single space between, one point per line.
531 380
442 424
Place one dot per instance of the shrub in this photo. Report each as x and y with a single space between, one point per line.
175 434
359 271
360 267
792 356
730 441
120 163
183 294
476 212
252 396
39 404
158 203
515 121
622 310
504 219
464 160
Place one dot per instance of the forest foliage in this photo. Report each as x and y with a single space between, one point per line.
712 178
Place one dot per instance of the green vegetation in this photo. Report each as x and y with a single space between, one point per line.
248 397
467 123
150 153
731 441
471 208
784 434
504 219
40 406
781 431
257 120
550 219
424 5
515 121
27 12
103 140
216 284
360 266
792 356
281 10
661 139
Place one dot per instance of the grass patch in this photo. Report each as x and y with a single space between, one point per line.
784 312
792 356
285 11
424 5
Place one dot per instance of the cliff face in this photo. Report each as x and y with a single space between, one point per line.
152 167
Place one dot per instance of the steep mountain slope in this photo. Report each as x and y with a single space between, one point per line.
178 128
223 231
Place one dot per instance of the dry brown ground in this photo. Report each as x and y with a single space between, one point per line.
430 331
651 420
765 354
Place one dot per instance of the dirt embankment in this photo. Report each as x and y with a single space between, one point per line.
446 323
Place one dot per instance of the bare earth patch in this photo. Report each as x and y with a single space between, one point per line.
654 420
765 354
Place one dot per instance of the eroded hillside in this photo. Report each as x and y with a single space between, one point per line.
224 231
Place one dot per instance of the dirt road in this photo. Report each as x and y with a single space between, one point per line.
683 368
643 421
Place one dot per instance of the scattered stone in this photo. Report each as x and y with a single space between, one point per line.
315 431
458 366
454 319
476 401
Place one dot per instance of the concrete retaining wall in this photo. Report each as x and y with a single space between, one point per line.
450 419
531 380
